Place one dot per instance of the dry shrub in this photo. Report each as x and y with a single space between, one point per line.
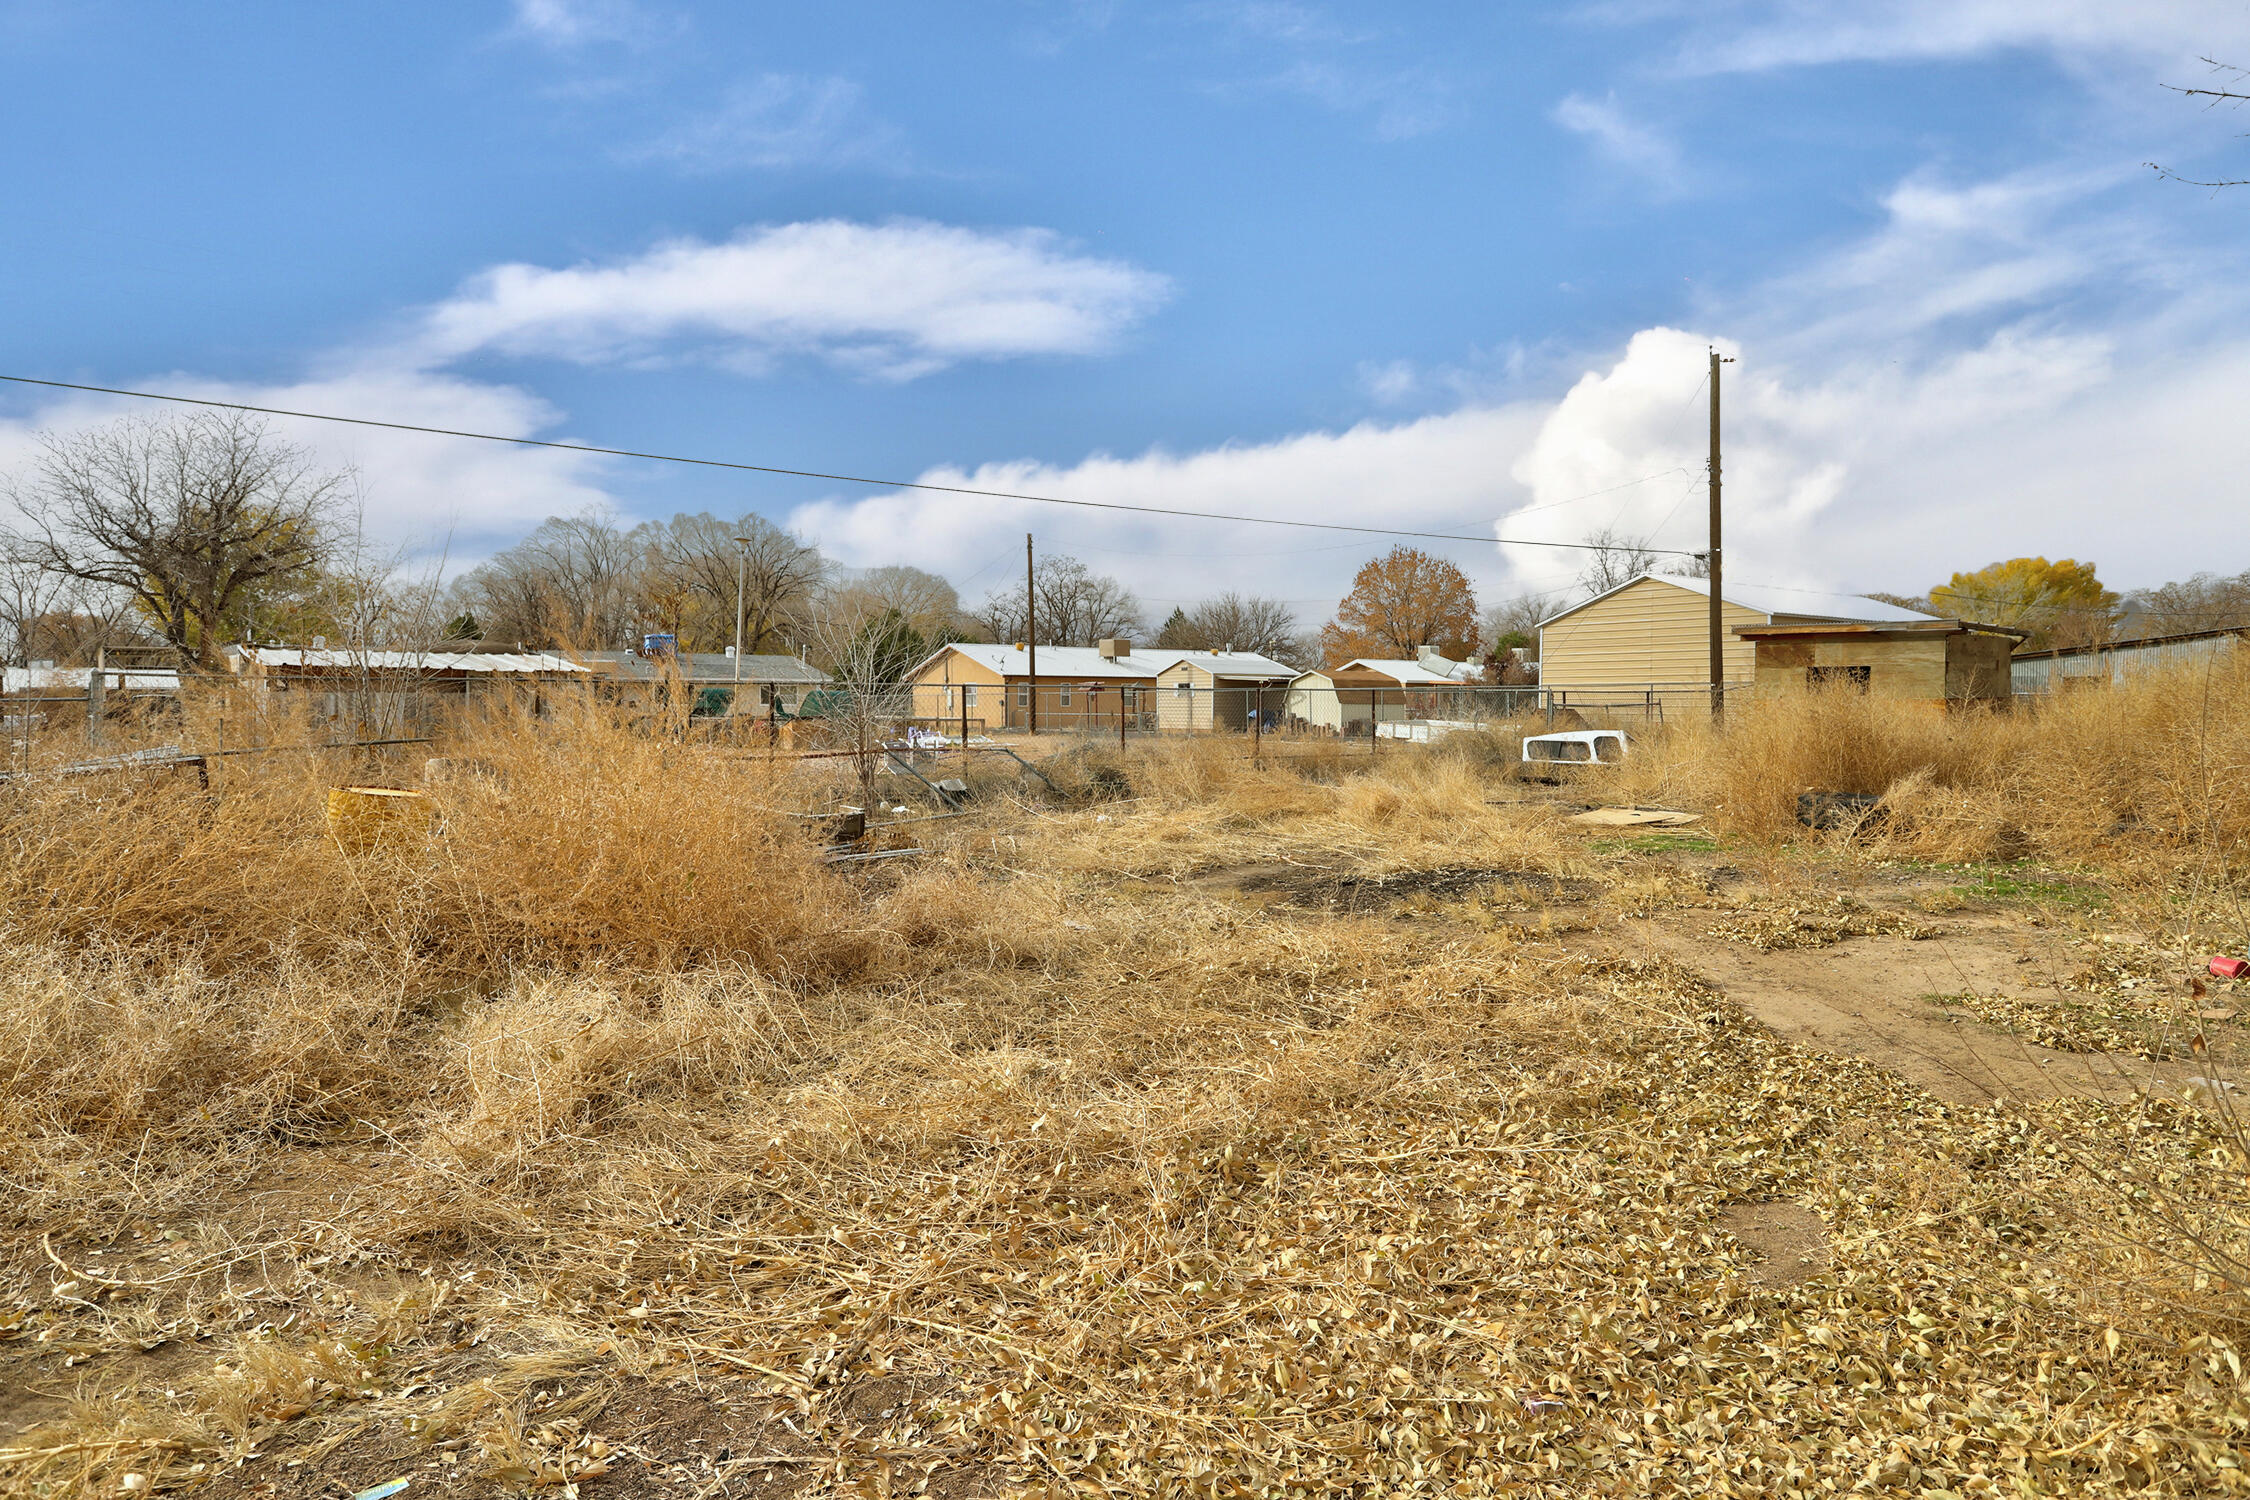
576 840
108 1045
2089 774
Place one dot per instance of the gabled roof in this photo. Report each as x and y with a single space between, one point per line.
1764 599
1234 664
1411 673
1085 663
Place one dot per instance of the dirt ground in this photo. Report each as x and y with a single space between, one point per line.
1969 988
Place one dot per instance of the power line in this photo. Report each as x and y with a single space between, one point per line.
888 484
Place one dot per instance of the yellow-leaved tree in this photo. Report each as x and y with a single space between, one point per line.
2061 603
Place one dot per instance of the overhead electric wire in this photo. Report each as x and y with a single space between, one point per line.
888 484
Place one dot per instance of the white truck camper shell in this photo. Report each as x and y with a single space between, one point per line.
1576 747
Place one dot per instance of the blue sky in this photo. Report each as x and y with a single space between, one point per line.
1426 265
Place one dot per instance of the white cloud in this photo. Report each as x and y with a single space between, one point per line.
893 300
1441 473
1622 139
578 23
781 120
1995 369
422 492
1797 33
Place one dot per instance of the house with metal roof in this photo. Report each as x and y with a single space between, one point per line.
768 683
398 692
1352 697
1075 687
1648 639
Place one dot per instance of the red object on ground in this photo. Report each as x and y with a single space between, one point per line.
2230 968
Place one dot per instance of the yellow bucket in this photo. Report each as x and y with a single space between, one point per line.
363 817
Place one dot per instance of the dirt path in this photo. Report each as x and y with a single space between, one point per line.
1865 997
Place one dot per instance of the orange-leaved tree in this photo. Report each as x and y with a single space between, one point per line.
2060 603
1399 601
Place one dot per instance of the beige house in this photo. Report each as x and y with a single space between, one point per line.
1649 639
1930 661
1203 691
1351 698
1078 687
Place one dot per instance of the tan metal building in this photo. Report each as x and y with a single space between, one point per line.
1930 661
1206 691
1078 687
1648 639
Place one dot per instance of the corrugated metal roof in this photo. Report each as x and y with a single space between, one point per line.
1233 664
1087 663
1415 672
73 679
707 666
496 663
1812 604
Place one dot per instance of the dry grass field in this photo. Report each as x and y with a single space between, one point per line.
1338 1124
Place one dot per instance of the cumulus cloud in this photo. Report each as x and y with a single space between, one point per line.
1620 138
894 301
1994 369
780 120
1438 473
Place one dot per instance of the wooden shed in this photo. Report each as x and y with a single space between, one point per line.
1930 661
1649 639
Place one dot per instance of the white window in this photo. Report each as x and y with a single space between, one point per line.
969 699
1062 695
1023 695
1184 690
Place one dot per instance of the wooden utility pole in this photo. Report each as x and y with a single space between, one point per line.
1718 607
1031 628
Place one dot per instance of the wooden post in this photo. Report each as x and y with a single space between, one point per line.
95 686
1121 720
1257 723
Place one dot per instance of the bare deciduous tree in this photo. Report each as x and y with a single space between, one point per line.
1240 622
2208 601
1077 606
188 517
689 571
1617 559
924 601
1514 623
2230 91
571 582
